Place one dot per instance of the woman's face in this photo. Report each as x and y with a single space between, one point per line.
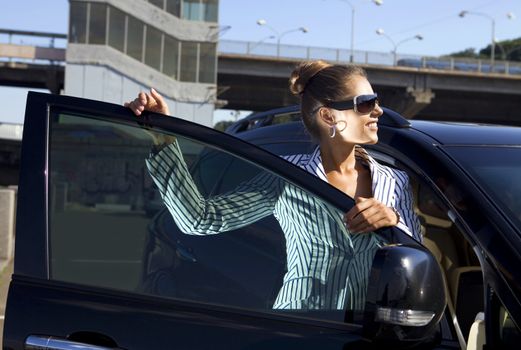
353 127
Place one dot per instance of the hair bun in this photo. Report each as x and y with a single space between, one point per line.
303 73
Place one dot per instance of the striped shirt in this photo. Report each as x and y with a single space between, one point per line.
327 266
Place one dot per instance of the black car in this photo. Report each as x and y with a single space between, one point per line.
98 267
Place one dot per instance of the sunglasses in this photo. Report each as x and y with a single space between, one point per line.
363 104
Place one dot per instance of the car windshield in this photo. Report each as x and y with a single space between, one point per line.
497 169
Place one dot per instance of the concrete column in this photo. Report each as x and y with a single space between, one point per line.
7 222
415 100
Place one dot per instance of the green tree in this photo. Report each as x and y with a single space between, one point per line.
507 49
222 125
467 53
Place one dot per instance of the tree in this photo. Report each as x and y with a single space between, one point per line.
507 49
468 53
223 125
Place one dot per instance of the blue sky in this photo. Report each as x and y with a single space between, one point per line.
328 23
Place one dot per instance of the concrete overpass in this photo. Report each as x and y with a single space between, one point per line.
253 77
261 83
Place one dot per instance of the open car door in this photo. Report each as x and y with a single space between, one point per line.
104 261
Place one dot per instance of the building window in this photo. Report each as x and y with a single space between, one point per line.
153 48
158 3
97 23
117 29
188 61
171 57
207 63
78 23
192 10
135 38
211 10
173 7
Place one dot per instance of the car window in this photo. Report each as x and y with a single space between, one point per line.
496 170
224 231
444 239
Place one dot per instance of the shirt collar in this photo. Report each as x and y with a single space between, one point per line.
314 163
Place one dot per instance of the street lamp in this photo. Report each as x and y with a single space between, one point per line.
279 35
376 2
493 22
381 32
261 41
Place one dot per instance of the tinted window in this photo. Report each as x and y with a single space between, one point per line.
207 63
153 48
173 7
97 24
117 29
171 56
189 61
135 38
78 22
497 170
231 233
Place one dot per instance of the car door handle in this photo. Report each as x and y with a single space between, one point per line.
38 342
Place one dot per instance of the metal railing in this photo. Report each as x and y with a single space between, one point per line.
32 47
270 50
42 47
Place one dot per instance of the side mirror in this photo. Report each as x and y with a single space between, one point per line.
405 297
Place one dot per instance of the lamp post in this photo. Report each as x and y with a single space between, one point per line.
261 41
493 42
352 49
279 35
381 32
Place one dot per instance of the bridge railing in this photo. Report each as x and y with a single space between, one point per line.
274 51
32 47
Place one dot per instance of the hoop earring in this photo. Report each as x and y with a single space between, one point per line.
343 127
332 131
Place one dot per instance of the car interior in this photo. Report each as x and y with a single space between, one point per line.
459 263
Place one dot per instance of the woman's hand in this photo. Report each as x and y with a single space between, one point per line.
152 102
368 214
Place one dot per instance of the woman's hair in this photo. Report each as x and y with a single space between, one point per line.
317 82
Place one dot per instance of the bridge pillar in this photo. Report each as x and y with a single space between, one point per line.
54 80
415 100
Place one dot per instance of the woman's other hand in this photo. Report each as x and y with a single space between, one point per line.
151 101
369 214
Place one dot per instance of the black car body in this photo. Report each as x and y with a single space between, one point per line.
99 267
467 196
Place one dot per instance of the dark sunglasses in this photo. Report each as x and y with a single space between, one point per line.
363 104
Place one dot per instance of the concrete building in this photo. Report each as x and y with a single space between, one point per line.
117 48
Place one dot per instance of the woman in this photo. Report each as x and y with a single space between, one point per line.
328 269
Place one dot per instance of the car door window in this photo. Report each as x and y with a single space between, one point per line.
226 232
444 239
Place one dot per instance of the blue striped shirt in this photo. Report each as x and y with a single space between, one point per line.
327 266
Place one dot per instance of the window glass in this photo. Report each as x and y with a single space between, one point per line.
78 22
192 10
97 23
135 38
158 3
153 48
188 61
509 334
210 10
496 170
225 231
207 63
173 7
171 57
117 29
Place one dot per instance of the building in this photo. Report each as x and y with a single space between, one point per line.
117 48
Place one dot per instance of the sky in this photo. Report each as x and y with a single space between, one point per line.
328 23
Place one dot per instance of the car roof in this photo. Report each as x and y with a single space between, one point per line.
454 133
264 125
